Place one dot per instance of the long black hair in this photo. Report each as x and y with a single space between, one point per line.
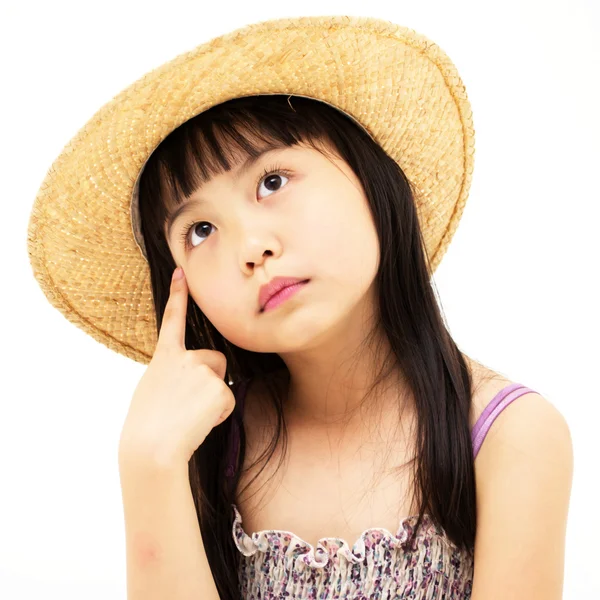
409 317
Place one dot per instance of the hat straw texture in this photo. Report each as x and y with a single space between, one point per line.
397 84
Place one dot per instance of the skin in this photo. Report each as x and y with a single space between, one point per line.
314 223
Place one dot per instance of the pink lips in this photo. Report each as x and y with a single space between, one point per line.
279 290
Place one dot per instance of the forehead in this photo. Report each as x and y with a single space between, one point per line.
203 161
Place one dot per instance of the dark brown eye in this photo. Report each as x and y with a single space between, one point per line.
203 227
272 182
198 228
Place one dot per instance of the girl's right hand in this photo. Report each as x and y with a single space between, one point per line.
181 396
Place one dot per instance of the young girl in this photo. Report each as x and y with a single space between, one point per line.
307 427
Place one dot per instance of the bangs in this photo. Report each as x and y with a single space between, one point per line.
220 139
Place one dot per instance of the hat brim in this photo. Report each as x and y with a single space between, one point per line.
399 85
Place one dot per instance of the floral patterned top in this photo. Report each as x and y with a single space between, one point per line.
378 566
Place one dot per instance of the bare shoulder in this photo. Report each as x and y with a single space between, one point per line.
523 475
527 417
529 429
487 383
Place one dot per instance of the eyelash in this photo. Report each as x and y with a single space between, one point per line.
276 169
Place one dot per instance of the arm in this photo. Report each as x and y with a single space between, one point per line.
524 473
165 554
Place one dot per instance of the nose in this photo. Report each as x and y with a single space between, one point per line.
256 247
250 265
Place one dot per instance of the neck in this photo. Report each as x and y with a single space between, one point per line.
331 384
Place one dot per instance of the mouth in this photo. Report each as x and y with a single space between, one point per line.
283 294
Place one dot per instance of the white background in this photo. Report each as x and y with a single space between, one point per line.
518 285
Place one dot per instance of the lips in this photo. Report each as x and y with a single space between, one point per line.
274 286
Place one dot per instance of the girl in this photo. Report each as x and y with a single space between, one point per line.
330 429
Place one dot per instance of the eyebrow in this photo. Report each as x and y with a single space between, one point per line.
188 206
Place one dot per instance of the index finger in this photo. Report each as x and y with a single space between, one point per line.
172 328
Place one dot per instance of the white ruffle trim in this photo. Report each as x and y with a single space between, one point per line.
278 541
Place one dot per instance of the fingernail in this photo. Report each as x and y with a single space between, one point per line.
178 274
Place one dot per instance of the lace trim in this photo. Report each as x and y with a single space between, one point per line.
278 541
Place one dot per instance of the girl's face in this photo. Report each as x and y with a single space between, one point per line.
309 218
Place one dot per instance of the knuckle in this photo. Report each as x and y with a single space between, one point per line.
204 369
188 360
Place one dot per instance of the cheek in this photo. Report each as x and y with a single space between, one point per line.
223 308
341 238
215 300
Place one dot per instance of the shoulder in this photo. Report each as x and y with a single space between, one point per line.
530 426
530 436
524 474
488 383
529 442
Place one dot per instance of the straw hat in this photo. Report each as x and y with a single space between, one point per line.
84 239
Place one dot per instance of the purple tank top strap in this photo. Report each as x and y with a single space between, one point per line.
498 403
235 434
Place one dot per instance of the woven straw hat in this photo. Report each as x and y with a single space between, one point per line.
84 238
